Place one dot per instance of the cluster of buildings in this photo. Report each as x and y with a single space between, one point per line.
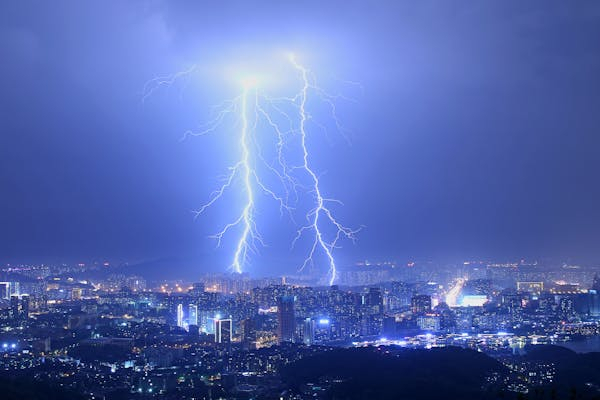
229 336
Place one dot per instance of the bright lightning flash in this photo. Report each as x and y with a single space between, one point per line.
253 169
246 170
320 214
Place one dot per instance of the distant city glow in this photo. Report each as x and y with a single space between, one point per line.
454 292
473 301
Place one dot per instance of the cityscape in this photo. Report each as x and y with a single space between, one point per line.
96 330
299 200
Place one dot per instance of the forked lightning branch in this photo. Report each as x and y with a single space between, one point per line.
259 121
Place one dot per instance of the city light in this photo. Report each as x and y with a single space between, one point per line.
184 185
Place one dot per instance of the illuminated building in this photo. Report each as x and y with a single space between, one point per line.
223 331
322 330
76 293
180 315
374 300
421 304
530 287
8 289
193 315
429 322
308 331
5 290
593 301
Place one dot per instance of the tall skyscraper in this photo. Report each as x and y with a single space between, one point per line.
248 334
374 300
25 306
8 289
286 318
308 331
19 307
223 331
180 315
193 314
5 290
15 306
15 288
421 304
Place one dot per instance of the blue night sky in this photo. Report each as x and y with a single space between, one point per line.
475 133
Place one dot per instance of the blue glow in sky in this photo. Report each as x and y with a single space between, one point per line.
474 133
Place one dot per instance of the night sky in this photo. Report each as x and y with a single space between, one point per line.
476 133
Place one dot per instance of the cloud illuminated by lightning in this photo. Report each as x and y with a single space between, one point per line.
250 109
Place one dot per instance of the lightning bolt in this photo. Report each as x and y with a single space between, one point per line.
248 172
168 80
246 169
321 214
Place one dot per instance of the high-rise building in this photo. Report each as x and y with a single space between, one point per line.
223 331
180 315
8 289
197 289
286 319
421 304
19 307
193 314
248 334
15 309
374 300
206 320
308 331
594 303
566 307
429 322
5 290
25 306
15 288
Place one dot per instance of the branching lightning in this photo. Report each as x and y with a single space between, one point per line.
288 119
320 214
245 168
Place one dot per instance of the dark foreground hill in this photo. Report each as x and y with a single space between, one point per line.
26 389
577 375
384 373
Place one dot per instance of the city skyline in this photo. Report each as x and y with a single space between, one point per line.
299 200
521 329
